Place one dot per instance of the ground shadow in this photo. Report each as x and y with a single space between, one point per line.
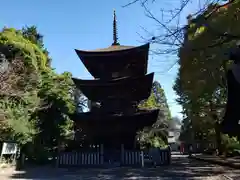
181 168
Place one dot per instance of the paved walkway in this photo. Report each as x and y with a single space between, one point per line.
231 162
182 168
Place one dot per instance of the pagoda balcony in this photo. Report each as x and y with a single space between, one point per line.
130 88
115 61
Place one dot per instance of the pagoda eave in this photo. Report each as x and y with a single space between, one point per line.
112 130
104 63
142 118
133 88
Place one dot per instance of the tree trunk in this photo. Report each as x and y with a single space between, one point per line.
217 129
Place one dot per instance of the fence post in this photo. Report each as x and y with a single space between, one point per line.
101 154
122 153
57 158
142 158
169 155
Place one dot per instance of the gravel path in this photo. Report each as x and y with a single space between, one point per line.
182 168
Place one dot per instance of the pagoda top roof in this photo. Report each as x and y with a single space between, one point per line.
112 48
125 60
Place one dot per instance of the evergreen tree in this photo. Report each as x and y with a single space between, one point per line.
157 100
31 33
156 135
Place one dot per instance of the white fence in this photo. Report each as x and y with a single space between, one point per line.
165 156
80 159
132 158
160 156
127 158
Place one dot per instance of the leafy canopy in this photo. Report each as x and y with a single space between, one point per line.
34 99
201 81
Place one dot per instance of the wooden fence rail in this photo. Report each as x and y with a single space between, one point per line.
126 158
160 156
80 159
132 158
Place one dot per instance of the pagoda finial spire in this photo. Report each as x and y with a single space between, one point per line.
115 37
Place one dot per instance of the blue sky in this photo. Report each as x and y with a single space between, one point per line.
87 24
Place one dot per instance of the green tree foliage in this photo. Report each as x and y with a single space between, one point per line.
230 144
156 135
35 101
54 121
31 33
157 100
19 84
201 83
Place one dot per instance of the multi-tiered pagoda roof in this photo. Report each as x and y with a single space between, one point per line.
120 84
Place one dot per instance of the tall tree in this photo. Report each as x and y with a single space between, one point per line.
201 83
157 100
156 135
19 85
36 103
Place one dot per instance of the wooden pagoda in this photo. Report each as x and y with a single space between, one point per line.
121 82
